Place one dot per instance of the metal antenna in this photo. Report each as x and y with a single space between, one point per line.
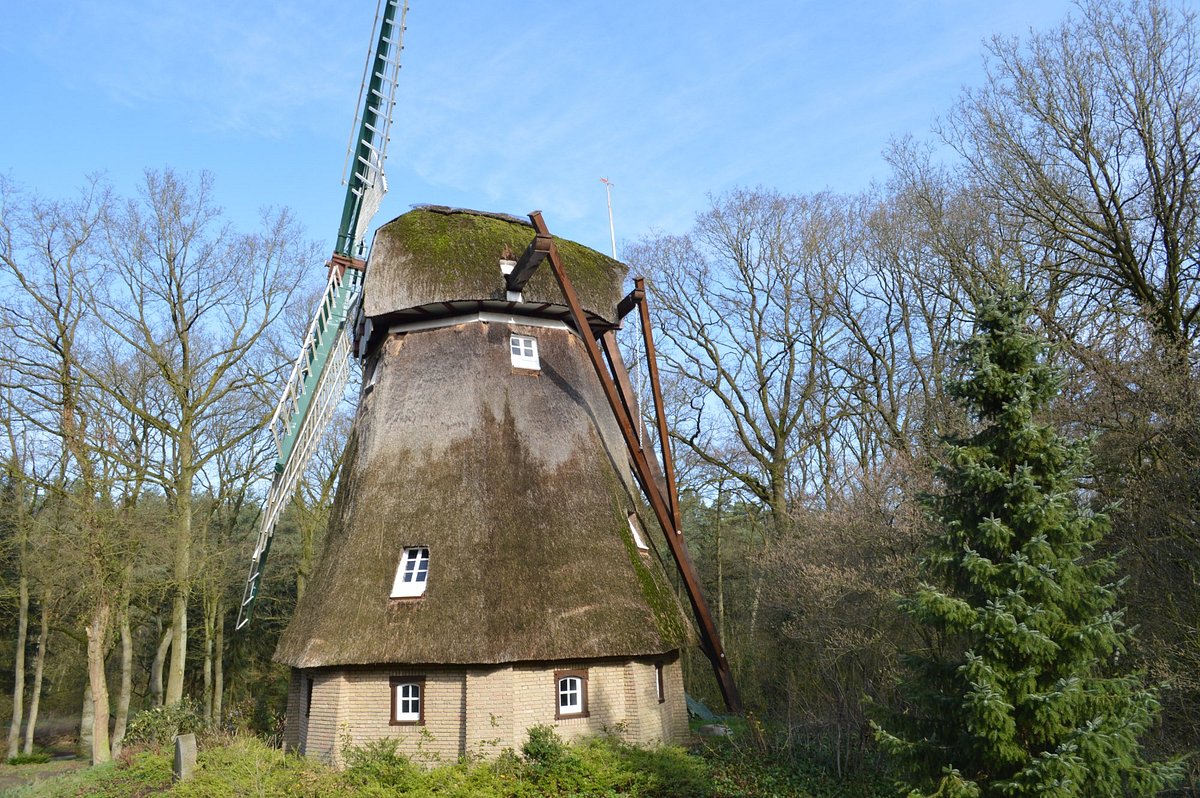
611 232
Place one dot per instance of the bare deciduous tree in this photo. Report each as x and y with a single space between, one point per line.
1091 133
741 311
194 300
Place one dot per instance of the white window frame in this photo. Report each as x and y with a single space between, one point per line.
570 686
524 352
570 695
408 697
635 528
412 574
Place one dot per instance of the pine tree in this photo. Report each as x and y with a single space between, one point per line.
1023 689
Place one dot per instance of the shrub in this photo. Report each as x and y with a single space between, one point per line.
158 727
36 758
379 764
544 746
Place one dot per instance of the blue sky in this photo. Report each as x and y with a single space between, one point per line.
502 106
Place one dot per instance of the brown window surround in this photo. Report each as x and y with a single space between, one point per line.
582 675
658 682
398 680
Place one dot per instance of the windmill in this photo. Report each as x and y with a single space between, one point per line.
488 565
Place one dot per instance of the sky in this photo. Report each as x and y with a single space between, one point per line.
511 106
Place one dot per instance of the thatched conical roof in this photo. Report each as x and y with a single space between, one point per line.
436 260
518 484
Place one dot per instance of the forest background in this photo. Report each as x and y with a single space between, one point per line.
805 342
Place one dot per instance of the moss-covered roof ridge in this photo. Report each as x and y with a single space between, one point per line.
435 256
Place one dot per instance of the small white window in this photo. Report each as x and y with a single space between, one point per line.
406 700
638 540
524 352
412 574
570 695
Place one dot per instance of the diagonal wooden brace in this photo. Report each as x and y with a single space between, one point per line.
530 259
709 639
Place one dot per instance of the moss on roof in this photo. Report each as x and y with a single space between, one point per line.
433 254
518 484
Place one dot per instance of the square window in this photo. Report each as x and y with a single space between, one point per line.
412 574
570 690
523 349
408 700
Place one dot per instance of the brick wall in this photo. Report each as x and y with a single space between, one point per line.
319 732
295 711
367 705
481 711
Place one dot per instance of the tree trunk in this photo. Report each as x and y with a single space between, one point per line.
208 661
39 665
182 574
122 718
720 571
156 668
97 631
218 664
14 728
85 721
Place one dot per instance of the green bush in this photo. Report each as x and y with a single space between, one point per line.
597 767
544 746
242 764
36 758
159 726
379 764
765 764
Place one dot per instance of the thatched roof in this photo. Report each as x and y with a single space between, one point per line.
518 484
436 260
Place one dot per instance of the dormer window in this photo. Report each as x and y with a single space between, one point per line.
412 574
638 540
524 352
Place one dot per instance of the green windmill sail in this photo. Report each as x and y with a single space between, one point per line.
318 376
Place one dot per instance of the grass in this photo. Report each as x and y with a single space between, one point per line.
600 767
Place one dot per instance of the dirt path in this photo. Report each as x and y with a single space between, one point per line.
20 775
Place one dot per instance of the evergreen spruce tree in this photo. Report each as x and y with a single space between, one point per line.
1023 689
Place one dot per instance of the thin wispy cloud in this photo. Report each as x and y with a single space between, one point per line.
507 106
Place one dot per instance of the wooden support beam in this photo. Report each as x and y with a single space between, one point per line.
664 437
709 640
527 264
629 302
608 342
